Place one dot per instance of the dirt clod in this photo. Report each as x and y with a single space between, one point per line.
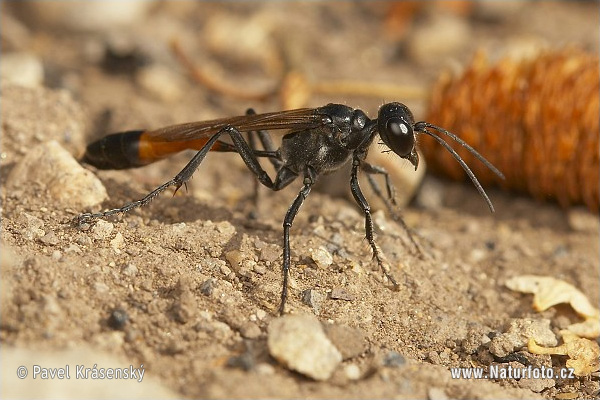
518 333
349 341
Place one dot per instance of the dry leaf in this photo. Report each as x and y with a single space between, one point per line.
548 291
584 354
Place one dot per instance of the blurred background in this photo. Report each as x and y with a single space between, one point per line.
148 64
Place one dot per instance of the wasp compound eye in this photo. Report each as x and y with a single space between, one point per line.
399 136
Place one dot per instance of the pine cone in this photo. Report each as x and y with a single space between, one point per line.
536 120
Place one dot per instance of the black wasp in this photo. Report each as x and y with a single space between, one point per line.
318 140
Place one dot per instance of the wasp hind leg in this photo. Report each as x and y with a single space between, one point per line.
269 151
242 148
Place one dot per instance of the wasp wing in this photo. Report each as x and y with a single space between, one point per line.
292 120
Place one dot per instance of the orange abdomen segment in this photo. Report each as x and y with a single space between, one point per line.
137 148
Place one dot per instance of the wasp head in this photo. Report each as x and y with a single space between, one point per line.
395 126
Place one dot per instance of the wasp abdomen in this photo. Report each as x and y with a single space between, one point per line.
116 151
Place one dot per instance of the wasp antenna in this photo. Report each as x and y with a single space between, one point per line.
423 129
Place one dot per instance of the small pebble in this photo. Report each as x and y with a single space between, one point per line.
50 239
265 369
219 330
250 330
259 269
299 343
100 287
117 242
130 270
431 194
118 319
341 294
477 255
261 314
51 305
160 81
313 298
436 393
270 253
581 220
211 264
393 359
102 229
186 306
248 265
33 226
245 361
474 340
321 257
23 69
225 270
225 228
352 372
207 287
443 35
72 248
235 258
536 385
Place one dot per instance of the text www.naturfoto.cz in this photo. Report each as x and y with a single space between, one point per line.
509 372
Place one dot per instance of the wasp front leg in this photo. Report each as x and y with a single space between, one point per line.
364 205
389 202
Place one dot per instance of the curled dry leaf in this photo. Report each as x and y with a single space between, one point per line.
548 291
584 354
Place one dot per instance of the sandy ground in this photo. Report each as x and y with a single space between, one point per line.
188 285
